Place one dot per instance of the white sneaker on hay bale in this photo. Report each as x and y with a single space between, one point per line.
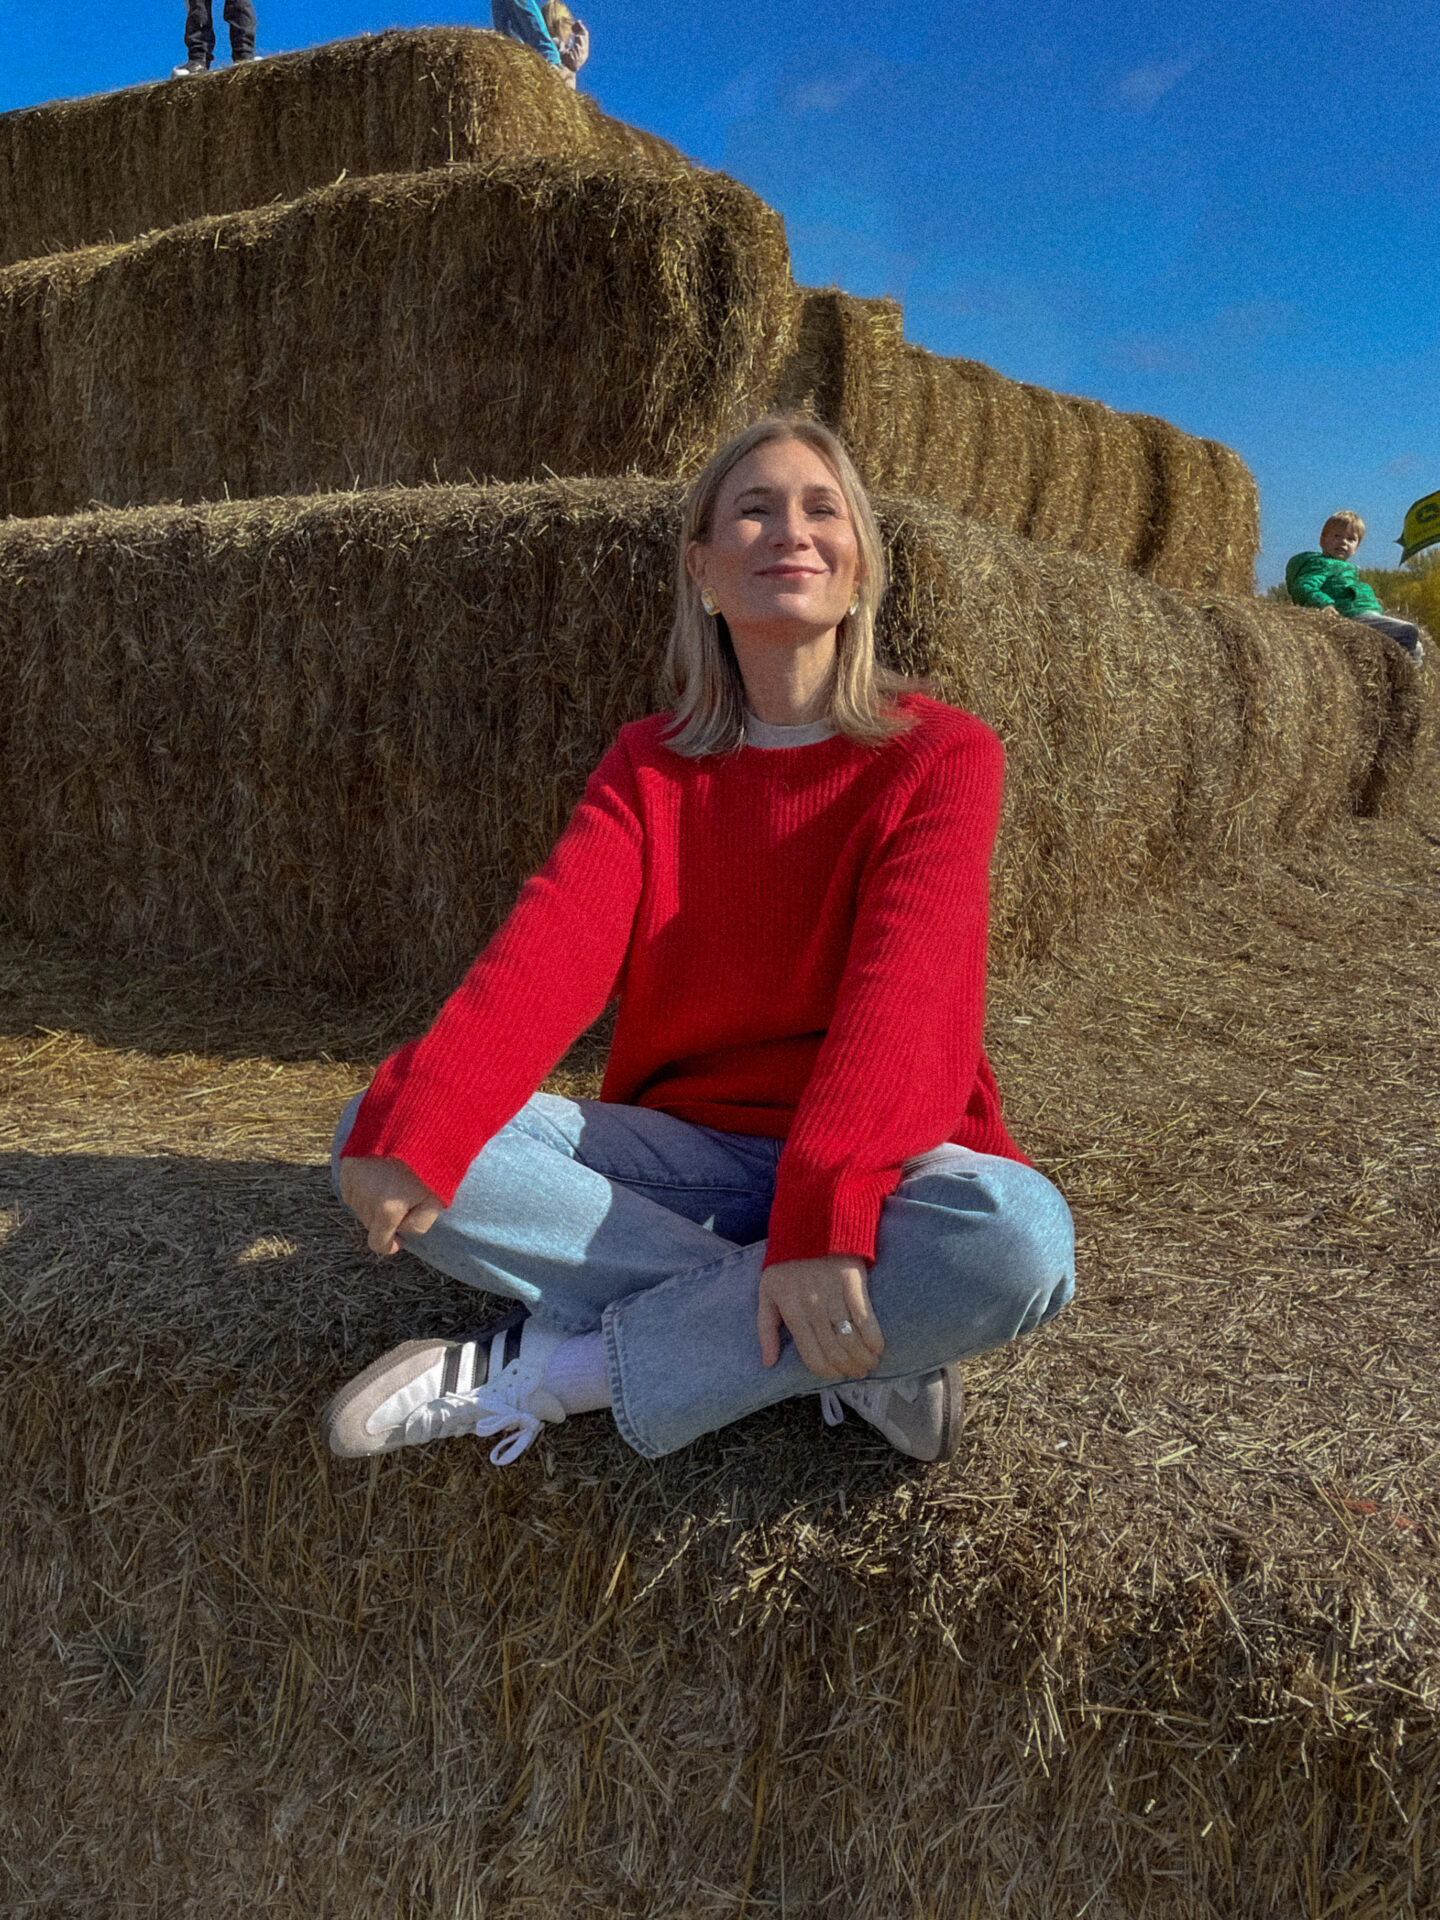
921 1415
488 1383
190 66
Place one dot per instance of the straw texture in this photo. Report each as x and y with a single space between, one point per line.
86 172
485 321
1161 1642
1129 488
546 316
467 315
331 737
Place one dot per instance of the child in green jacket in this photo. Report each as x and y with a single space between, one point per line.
1328 580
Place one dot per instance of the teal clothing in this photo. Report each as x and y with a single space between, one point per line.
1315 580
522 20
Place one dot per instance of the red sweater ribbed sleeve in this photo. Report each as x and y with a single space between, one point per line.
548 972
903 1049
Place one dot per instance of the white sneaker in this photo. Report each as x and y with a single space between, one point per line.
921 1415
488 1383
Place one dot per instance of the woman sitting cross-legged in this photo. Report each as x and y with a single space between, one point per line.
796 1179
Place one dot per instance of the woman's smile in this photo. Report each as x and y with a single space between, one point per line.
781 561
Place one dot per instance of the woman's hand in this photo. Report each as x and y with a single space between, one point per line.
389 1200
814 1298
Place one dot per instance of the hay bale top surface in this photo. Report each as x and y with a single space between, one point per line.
1250 1355
1192 1527
110 167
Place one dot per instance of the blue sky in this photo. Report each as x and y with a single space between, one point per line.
1224 217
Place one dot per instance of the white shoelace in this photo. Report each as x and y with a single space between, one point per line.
496 1408
831 1411
521 1425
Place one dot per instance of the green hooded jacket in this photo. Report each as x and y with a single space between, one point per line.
1315 580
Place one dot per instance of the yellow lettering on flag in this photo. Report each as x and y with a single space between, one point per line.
1422 526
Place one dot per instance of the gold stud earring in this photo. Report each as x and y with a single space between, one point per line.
709 602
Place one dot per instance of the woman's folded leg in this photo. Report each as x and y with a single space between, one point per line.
570 1207
611 1218
973 1251
577 1203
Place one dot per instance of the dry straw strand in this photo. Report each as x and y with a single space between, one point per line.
87 172
214 710
479 321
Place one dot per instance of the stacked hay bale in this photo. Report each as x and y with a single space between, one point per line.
424 323
334 735
172 259
1070 472
327 732
107 169
393 330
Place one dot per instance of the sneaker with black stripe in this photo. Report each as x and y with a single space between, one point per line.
489 1383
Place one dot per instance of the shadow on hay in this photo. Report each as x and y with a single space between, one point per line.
255 1679
244 1278
167 1009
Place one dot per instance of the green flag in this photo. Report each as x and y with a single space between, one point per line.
1422 526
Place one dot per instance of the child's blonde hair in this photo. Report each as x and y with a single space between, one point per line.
559 19
1346 519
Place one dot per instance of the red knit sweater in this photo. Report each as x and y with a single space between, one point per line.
797 939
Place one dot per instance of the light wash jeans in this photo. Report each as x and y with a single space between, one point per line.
597 1215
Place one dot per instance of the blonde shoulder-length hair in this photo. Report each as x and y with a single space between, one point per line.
702 674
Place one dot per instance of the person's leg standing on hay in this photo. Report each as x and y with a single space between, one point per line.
636 1241
200 34
797 1177
240 18
199 39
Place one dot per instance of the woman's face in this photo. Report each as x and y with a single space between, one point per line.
782 556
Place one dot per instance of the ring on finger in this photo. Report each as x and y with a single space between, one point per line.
844 1328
